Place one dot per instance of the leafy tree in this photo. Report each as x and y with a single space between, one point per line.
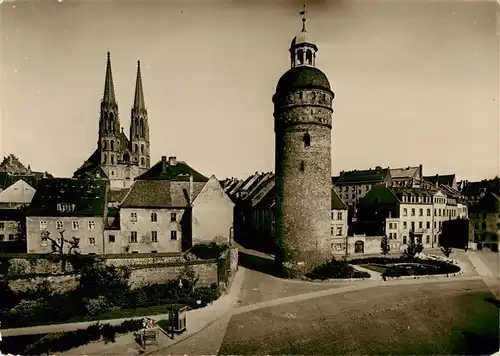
446 250
411 251
419 248
384 245
110 282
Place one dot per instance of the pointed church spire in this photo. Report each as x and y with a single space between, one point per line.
109 89
139 95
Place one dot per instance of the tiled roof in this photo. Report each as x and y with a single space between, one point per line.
89 197
178 172
402 173
380 194
474 188
371 176
7 179
441 179
160 194
90 165
415 192
117 195
337 202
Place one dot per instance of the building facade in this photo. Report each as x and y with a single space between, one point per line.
171 207
17 195
302 125
485 223
71 209
118 158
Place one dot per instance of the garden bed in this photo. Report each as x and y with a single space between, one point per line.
397 267
334 269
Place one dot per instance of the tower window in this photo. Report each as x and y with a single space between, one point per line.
112 145
142 161
112 159
142 149
135 148
300 55
126 157
302 166
104 159
309 57
105 144
307 139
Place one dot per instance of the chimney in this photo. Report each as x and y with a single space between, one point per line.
421 168
172 161
163 164
190 189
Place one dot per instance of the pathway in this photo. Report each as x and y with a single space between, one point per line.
492 280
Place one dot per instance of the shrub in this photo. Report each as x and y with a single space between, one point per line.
132 325
94 331
29 309
108 333
208 250
97 305
336 269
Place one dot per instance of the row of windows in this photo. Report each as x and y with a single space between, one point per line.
126 158
483 225
339 215
437 212
339 231
11 237
154 236
154 217
420 225
112 146
75 224
353 188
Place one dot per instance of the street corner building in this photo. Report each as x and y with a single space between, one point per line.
302 125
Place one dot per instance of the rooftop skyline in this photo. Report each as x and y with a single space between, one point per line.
415 82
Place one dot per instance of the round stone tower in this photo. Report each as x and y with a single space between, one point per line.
302 124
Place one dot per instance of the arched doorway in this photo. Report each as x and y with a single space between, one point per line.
359 247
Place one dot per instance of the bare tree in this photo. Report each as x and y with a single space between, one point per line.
58 244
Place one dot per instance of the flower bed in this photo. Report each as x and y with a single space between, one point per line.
336 269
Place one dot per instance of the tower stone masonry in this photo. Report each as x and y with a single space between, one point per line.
302 125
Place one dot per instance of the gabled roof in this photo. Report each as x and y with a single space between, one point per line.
88 196
116 196
7 179
405 173
19 192
337 202
449 191
380 194
369 176
90 165
475 188
441 179
178 172
160 194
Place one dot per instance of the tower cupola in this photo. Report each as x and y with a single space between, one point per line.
302 49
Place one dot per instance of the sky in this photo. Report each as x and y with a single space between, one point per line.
416 82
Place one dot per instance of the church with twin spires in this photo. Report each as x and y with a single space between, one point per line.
118 158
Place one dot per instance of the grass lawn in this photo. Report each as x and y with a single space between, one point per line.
127 313
447 319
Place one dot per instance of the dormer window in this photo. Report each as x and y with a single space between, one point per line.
65 207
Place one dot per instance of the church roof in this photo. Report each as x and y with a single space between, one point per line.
109 88
88 197
180 171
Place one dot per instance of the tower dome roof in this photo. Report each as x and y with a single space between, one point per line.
302 77
302 37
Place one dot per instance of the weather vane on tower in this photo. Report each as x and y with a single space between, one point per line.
304 17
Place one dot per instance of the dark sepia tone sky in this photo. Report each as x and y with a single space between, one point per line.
415 81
